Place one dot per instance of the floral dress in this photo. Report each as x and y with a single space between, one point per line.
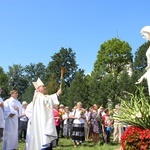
94 123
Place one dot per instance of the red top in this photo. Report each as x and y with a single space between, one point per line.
106 120
57 117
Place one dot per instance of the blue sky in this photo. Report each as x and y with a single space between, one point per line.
32 31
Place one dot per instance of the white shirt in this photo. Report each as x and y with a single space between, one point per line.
23 118
77 113
65 117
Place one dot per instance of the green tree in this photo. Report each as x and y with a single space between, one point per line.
109 90
17 79
139 64
52 85
33 71
140 61
28 94
126 85
4 83
65 58
113 56
94 88
78 90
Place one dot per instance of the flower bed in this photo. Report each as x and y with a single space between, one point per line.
135 138
136 113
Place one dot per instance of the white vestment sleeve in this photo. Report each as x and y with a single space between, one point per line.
51 100
54 98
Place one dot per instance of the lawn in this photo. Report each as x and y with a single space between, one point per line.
67 144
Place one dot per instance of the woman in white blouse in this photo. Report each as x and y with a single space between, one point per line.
78 134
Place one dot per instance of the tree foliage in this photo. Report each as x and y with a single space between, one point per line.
28 94
113 56
139 65
52 85
17 79
140 61
94 88
109 89
34 71
65 58
108 82
78 90
4 83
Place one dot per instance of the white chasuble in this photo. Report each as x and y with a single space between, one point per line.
41 129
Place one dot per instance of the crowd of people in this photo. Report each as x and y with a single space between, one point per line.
42 122
94 124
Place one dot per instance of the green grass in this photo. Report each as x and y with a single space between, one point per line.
67 144
21 146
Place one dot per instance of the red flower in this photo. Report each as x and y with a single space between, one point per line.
135 138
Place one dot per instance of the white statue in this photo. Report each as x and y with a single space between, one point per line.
145 32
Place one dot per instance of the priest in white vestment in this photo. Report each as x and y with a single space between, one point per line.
41 128
12 110
1 116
